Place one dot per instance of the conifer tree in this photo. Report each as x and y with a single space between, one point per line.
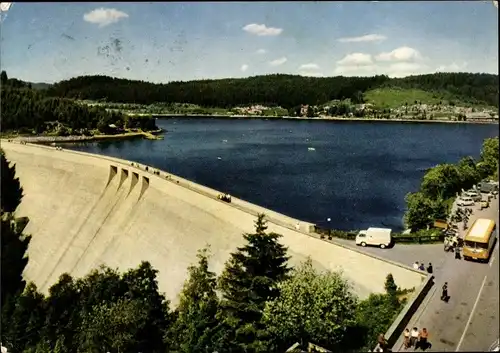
251 278
11 192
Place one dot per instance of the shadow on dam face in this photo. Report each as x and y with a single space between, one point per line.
140 216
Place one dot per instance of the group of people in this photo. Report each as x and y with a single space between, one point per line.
224 197
420 266
416 339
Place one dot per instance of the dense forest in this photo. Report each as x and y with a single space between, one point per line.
25 109
257 304
286 91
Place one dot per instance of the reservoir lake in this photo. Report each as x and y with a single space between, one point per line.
355 173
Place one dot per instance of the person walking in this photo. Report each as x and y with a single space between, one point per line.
423 342
457 252
414 337
444 294
429 268
406 339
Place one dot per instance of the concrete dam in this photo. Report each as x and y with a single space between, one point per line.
87 210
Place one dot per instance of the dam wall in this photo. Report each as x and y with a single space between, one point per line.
87 210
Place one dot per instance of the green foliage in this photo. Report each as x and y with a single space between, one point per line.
422 210
395 97
442 183
196 323
312 307
475 88
376 314
11 191
390 286
250 279
100 312
13 244
284 90
488 162
113 326
25 109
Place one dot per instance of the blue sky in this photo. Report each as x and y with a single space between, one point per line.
161 42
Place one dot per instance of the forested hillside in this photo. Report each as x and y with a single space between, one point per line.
25 109
282 90
468 86
272 90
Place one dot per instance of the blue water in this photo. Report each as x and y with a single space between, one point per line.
357 176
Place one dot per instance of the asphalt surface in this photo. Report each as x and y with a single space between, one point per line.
469 321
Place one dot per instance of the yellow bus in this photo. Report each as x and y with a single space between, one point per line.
480 239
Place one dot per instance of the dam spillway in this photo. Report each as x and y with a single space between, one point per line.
88 210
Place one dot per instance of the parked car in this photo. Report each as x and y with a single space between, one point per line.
473 195
465 201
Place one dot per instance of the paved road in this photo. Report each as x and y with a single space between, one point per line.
405 254
469 321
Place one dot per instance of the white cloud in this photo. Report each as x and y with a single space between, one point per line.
365 38
261 51
453 67
403 69
244 67
310 66
278 62
104 17
262 30
356 59
400 54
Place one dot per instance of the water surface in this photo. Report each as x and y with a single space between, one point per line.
358 174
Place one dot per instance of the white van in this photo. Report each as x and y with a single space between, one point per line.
375 237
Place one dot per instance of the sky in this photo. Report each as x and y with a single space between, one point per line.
181 41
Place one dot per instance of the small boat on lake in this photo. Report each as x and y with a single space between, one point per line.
311 149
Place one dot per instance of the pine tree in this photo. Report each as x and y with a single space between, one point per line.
11 192
390 286
250 279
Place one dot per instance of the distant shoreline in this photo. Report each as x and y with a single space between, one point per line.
242 117
77 138
152 135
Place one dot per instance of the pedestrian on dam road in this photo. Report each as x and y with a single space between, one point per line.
457 252
416 265
422 342
406 339
414 337
422 266
444 294
430 269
